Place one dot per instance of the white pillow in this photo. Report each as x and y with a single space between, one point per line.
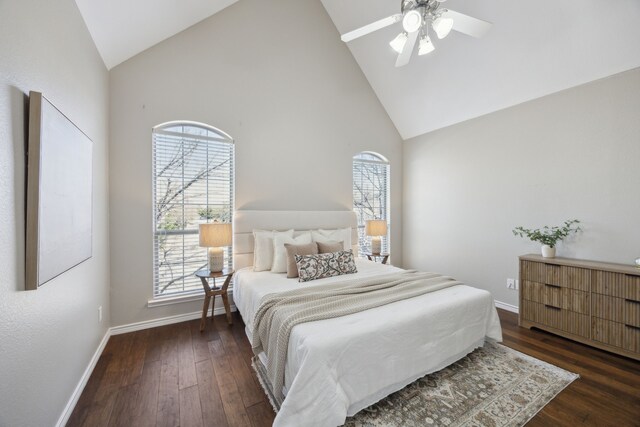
339 235
263 248
280 252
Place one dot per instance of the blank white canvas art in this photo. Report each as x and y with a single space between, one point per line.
64 206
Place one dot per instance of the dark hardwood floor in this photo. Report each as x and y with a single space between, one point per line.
175 375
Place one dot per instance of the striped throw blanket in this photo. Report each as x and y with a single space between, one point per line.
278 313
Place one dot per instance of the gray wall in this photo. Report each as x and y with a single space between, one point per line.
48 336
282 84
572 154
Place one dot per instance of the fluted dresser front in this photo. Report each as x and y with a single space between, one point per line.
592 302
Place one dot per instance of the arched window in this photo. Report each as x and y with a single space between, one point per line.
371 195
193 183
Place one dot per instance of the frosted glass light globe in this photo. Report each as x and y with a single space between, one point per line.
412 21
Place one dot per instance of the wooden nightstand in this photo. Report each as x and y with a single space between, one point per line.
210 293
374 257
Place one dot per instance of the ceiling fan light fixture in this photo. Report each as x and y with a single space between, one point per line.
412 21
398 43
425 46
442 26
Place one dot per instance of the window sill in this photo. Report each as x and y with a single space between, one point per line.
178 299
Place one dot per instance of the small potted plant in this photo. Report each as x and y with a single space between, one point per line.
549 236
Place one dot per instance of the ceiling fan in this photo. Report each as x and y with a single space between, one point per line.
418 16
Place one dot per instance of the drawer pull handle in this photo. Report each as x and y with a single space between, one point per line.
553 307
632 300
632 327
552 286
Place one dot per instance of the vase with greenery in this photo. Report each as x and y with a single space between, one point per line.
549 236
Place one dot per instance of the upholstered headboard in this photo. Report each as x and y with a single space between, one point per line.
244 222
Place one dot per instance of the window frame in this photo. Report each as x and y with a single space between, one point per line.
377 159
159 299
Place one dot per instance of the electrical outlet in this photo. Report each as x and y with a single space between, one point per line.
511 284
100 314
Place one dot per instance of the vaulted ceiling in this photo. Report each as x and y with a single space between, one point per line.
123 28
534 49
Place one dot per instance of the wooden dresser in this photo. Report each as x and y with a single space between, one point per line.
595 303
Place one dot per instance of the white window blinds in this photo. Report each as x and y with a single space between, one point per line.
193 183
371 195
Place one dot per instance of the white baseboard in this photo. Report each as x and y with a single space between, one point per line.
71 404
505 306
146 324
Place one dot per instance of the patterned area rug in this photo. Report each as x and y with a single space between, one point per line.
494 386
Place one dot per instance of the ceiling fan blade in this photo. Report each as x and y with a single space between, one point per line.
405 56
467 24
374 26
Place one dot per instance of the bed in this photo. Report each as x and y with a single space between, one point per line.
339 366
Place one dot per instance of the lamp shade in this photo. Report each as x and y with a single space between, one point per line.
398 43
376 227
442 26
215 235
425 46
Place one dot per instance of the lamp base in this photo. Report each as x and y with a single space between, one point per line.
376 245
216 259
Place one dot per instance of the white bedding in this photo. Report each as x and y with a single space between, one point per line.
337 367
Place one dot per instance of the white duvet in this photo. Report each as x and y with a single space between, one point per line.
337 367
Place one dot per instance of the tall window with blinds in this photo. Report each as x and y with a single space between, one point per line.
193 183
371 195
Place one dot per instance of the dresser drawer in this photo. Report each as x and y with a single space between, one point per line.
556 296
576 323
632 287
632 312
616 334
616 309
631 340
559 275
608 308
532 291
558 318
570 277
607 332
608 283
544 314
533 271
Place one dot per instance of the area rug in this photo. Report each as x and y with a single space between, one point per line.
491 387
494 386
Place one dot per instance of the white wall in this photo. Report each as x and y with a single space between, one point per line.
572 154
48 336
280 81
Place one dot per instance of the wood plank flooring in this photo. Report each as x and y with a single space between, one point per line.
176 376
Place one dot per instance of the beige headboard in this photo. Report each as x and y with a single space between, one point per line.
244 222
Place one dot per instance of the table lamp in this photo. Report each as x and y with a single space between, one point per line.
376 228
214 236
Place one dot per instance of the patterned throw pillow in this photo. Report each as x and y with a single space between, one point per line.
312 267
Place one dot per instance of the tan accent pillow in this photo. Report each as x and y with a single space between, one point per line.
293 250
329 246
